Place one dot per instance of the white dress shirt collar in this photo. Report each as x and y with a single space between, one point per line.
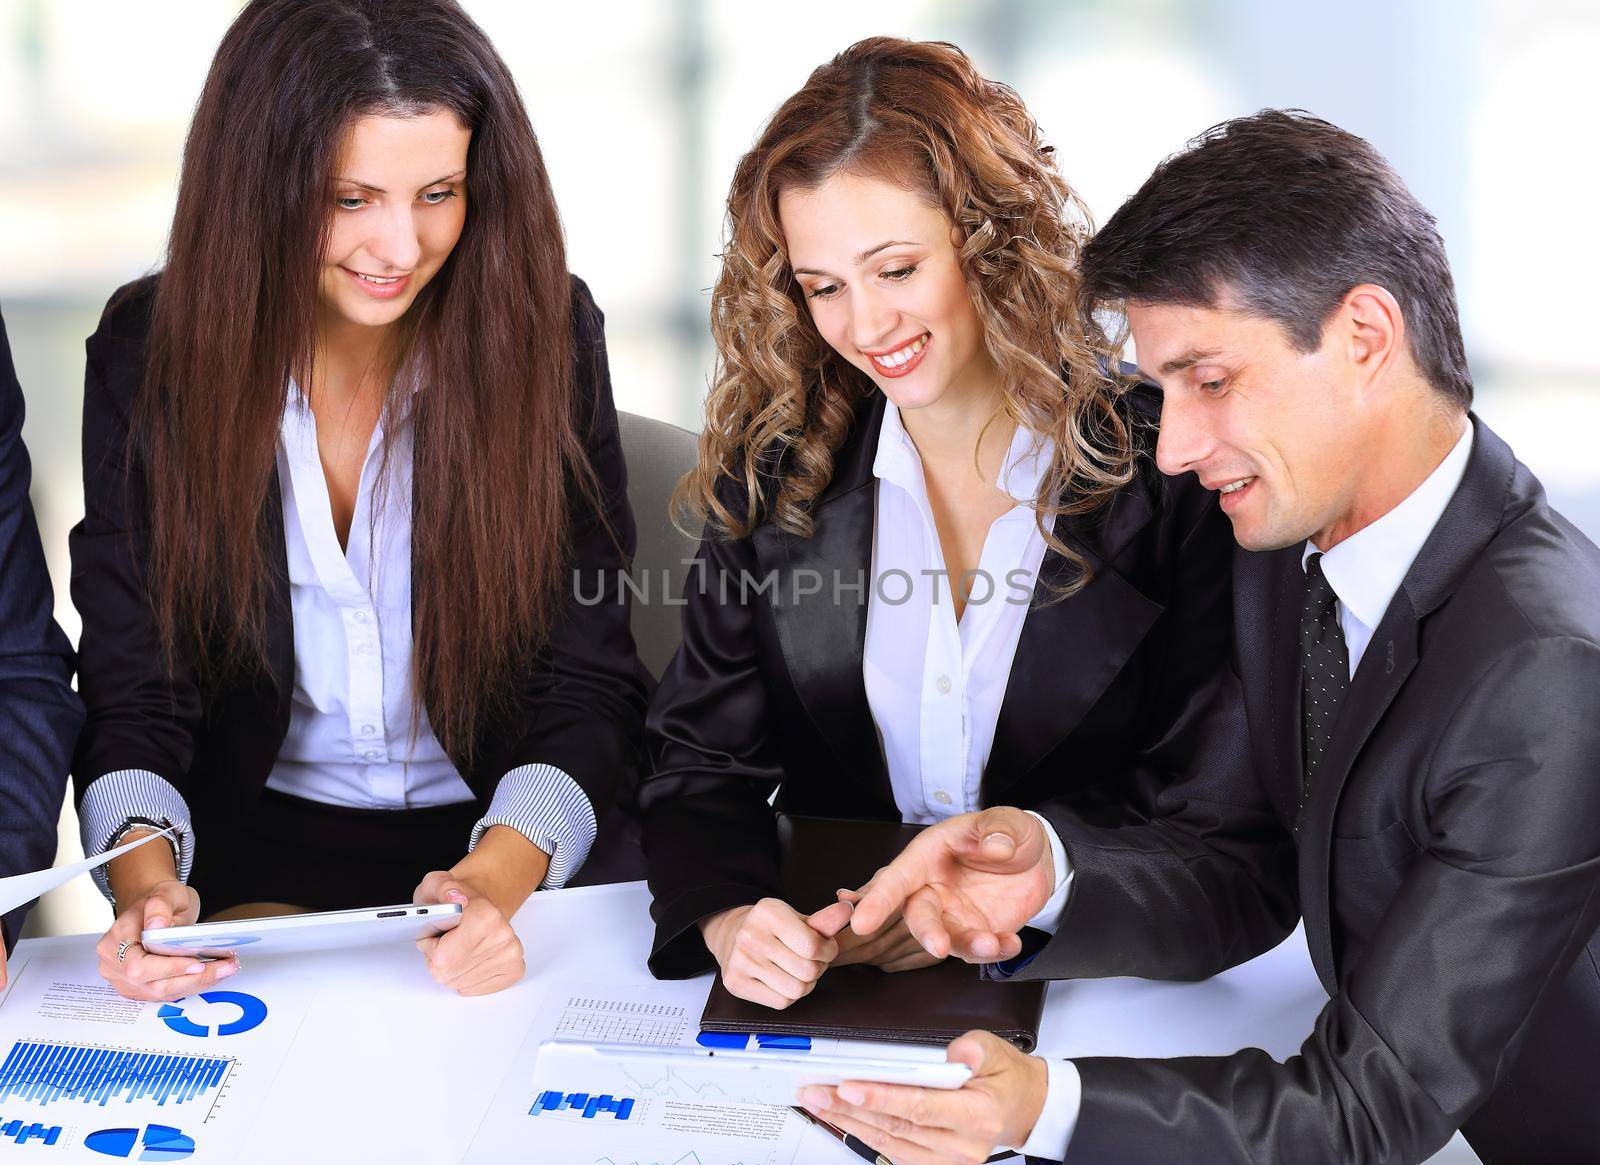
1023 471
1367 568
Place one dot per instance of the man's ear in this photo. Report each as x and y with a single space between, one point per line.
1371 329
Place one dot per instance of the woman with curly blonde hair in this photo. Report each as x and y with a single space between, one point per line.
940 570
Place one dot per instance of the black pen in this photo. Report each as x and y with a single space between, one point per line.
855 1144
865 1151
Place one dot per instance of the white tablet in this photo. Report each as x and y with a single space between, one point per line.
745 1077
304 932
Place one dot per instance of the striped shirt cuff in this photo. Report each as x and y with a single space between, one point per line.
115 799
551 810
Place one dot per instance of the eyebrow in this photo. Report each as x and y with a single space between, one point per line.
864 256
380 190
1189 359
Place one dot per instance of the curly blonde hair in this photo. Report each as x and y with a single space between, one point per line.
782 400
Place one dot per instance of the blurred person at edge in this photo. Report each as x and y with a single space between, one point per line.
1418 636
39 712
905 386
343 457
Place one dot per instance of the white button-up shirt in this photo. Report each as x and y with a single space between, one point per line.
350 740
935 685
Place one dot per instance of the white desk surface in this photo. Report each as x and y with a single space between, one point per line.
431 1061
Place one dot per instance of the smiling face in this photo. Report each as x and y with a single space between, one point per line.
1276 431
399 206
877 264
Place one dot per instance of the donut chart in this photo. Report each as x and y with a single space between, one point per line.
252 1013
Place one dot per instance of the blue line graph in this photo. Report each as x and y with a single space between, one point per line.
44 1073
673 1087
21 1134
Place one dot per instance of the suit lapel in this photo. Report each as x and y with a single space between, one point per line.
1068 653
1474 515
1267 597
1388 661
823 634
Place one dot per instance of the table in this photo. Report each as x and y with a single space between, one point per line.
430 1062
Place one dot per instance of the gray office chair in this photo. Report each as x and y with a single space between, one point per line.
658 454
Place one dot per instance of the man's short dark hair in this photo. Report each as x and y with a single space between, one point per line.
1286 213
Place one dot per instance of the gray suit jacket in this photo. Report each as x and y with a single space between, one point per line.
39 712
1448 868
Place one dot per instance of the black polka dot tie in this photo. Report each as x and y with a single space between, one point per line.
1324 669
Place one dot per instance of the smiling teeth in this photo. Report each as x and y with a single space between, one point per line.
375 278
904 355
1235 485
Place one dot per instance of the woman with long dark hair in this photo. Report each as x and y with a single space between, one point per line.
344 457
940 569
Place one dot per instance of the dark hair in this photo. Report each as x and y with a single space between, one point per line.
919 114
1287 213
488 343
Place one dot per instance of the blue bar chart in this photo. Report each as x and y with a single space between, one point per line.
20 1133
583 1104
48 1073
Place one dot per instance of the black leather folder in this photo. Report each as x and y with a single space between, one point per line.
933 1005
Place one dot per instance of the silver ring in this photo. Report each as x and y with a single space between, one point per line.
122 950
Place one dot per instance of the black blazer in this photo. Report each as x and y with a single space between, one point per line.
1112 692
1448 867
39 712
579 705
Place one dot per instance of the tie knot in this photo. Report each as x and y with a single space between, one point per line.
1320 595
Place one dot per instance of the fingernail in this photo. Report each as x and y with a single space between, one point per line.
813 1098
998 839
457 896
852 1093
194 968
228 969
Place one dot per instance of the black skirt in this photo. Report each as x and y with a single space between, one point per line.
325 857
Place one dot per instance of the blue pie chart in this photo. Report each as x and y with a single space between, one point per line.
159 1143
252 1012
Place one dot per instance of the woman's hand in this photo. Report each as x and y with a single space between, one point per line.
892 948
137 974
483 953
770 953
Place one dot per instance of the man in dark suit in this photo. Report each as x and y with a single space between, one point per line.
1417 635
39 712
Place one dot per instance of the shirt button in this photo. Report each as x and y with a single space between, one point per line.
942 797
943 684
367 729
371 754
363 617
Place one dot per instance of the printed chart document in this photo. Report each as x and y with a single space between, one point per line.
562 1114
94 1077
20 888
